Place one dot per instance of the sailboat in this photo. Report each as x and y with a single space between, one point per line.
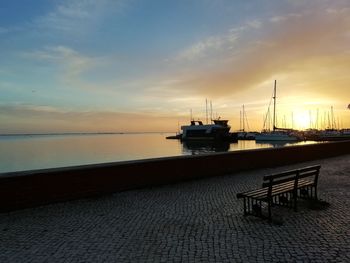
277 134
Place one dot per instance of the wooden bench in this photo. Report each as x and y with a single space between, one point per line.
281 189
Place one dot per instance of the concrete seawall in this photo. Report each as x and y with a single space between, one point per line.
37 187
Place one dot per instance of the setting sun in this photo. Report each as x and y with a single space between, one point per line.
301 120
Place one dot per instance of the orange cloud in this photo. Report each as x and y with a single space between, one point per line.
312 44
34 119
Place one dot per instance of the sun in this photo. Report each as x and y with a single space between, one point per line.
301 120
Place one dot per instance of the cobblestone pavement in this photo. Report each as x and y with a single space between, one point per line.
196 221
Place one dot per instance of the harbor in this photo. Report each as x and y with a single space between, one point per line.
218 130
174 131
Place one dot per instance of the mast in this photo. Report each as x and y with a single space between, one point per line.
310 119
329 122
240 120
243 119
274 107
206 110
333 119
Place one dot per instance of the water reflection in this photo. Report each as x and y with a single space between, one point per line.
200 147
276 144
204 147
25 152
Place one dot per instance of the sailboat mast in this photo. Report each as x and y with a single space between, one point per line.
240 120
274 107
243 118
206 110
333 119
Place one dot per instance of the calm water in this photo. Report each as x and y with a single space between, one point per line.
26 152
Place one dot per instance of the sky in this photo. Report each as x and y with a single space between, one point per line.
137 65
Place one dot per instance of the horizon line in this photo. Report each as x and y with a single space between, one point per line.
81 133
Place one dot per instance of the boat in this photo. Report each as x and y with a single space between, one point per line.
177 136
333 135
242 135
218 130
277 134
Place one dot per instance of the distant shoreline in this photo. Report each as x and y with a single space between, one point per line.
78 133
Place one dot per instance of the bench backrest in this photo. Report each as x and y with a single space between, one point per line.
279 178
292 175
310 172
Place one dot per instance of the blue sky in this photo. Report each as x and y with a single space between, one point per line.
133 65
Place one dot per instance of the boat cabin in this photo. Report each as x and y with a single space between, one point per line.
221 122
193 123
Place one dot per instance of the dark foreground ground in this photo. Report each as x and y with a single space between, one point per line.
197 221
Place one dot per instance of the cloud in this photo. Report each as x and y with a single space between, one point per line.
76 16
8 30
72 63
217 43
24 118
276 19
254 24
301 44
56 54
199 49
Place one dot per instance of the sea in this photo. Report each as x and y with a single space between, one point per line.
31 152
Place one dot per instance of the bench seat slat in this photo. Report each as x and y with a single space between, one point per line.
303 183
276 189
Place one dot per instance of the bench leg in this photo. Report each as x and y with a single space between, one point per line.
295 200
315 189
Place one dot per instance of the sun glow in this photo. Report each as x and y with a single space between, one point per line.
301 120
